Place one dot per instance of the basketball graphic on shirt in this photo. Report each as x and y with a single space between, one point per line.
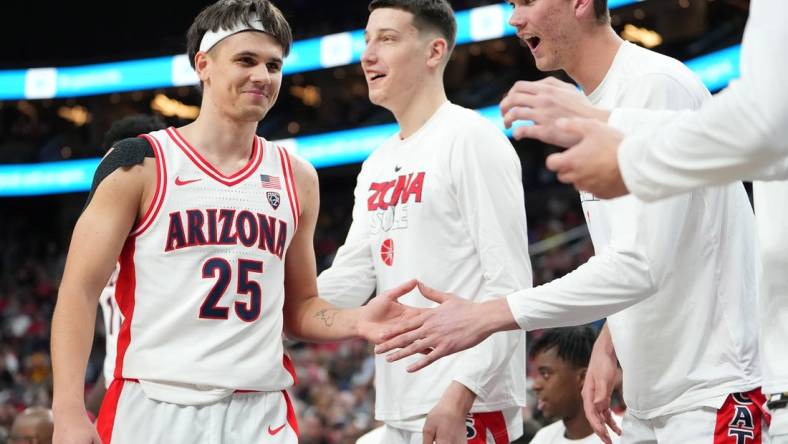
387 252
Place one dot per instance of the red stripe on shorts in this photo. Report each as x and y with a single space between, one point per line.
291 415
739 420
109 407
479 423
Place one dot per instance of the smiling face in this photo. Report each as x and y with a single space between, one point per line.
550 30
558 385
395 59
242 75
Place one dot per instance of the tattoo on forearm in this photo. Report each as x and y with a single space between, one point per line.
327 316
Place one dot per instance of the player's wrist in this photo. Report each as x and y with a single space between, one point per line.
496 316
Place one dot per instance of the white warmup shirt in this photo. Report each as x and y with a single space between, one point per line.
445 206
683 271
555 434
741 133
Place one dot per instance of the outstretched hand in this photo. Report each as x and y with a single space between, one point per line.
455 325
384 313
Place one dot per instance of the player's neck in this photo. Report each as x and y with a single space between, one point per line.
593 57
420 107
222 141
577 426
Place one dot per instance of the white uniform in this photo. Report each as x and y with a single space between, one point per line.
683 271
201 289
555 434
742 133
445 206
112 320
771 214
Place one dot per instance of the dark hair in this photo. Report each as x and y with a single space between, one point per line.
574 344
226 13
132 126
601 12
435 15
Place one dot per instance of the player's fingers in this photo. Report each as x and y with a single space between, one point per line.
415 347
428 435
594 420
431 357
401 340
400 290
558 162
521 114
612 422
402 327
433 295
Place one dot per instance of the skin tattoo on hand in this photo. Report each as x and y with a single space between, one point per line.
327 316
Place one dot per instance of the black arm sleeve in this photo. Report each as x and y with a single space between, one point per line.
126 153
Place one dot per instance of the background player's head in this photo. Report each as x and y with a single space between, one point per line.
237 48
132 126
561 358
409 43
33 426
553 29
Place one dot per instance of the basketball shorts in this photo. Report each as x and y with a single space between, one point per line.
480 428
742 419
127 416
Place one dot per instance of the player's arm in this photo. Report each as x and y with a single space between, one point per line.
736 135
96 243
308 317
351 279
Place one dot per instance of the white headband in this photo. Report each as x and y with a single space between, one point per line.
211 38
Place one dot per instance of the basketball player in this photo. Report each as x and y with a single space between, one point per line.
441 200
676 278
214 234
127 127
740 134
561 358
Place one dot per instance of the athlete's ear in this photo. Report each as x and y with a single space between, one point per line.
583 8
438 52
202 64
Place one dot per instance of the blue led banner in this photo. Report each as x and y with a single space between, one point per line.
473 25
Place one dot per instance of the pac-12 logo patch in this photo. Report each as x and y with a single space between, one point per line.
274 199
387 252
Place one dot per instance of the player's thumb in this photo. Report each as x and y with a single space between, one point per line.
402 289
432 294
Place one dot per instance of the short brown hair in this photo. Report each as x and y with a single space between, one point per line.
435 15
226 13
601 12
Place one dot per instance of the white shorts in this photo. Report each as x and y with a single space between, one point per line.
740 420
480 428
127 416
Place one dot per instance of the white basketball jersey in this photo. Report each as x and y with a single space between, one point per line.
201 284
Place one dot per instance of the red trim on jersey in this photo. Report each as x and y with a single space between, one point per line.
292 419
288 365
493 422
161 188
124 296
740 419
254 160
109 407
287 170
